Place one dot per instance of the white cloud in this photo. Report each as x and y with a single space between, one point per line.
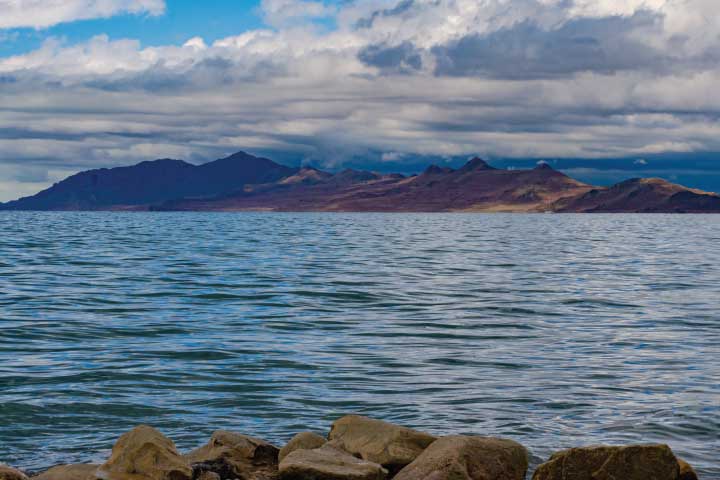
196 43
282 13
46 13
392 156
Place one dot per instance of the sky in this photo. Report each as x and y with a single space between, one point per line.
602 89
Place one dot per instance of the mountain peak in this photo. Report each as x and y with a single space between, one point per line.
240 154
544 166
476 163
306 175
436 170
160 162
235 157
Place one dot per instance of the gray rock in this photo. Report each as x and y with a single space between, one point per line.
328 463
687 472
302 441
233 455
469 458
391 446
145 454
635 462
206 475
9 473
84 471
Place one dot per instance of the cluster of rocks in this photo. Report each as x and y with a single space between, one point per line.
360 448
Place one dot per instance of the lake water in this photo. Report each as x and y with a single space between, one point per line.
553 330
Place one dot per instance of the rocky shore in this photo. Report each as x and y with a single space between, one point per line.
361 448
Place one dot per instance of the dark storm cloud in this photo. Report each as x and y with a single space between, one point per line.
402 7
403 58
526 51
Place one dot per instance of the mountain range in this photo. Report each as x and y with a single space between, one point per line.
243 182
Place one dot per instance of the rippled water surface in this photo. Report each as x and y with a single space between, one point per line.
552 330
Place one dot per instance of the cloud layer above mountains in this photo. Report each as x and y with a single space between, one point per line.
331 81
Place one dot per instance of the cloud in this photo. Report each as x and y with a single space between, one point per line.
283 13
399 9
391 156
46 13
526 50
403 58
411 78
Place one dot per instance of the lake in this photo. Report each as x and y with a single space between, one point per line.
552 330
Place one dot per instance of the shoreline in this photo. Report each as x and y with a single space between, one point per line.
361 448
380 212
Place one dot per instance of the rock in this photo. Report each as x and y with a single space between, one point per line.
233 455
302 441
206 475
328 463
69 472
635 462
687 472
145 454
376 441
462 457
8 473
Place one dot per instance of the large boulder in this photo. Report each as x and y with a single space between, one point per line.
635 462
233 455
380 442
687 472
328 463
84 471
8 473
145 454
461 457
302 441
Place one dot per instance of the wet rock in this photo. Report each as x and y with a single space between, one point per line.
635 462
328 463
469 458
376 441
70 472
302 441
233 455
145 454
687 472
8 473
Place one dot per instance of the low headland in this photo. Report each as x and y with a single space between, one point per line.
361 448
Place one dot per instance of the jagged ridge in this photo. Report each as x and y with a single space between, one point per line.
245 182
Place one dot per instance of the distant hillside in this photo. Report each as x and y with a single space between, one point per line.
244 182
475 187
647 195
152 182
